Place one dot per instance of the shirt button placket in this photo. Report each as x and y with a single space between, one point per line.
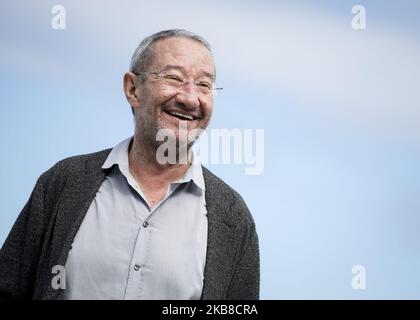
135 285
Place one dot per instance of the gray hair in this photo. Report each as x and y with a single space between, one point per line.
144 50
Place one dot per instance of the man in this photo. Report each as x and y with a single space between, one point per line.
126 224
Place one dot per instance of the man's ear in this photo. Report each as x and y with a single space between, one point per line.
130 89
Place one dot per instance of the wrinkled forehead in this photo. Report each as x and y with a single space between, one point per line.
188 54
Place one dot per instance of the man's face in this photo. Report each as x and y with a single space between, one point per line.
159 101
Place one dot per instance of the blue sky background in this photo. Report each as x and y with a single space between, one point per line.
340 109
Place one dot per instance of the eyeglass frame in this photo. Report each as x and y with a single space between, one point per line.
161 74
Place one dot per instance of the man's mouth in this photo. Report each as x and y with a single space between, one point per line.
181 115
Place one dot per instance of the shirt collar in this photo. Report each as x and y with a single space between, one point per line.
119 156
194 173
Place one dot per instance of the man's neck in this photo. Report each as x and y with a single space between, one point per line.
148 172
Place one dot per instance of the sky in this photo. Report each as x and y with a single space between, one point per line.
340 110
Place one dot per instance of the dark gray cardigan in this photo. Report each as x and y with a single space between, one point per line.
44 231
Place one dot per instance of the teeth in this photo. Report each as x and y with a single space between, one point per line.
185 116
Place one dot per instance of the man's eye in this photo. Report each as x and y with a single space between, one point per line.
173 77
204 85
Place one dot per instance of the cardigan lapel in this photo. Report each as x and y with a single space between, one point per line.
78 194
222 242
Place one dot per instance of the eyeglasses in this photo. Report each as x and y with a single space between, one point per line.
172 80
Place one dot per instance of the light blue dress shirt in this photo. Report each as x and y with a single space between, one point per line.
125 250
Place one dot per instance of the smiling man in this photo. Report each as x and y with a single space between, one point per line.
123 225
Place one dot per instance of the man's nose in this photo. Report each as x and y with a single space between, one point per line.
188 96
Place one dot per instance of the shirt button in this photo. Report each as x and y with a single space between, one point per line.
145 224
136 267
